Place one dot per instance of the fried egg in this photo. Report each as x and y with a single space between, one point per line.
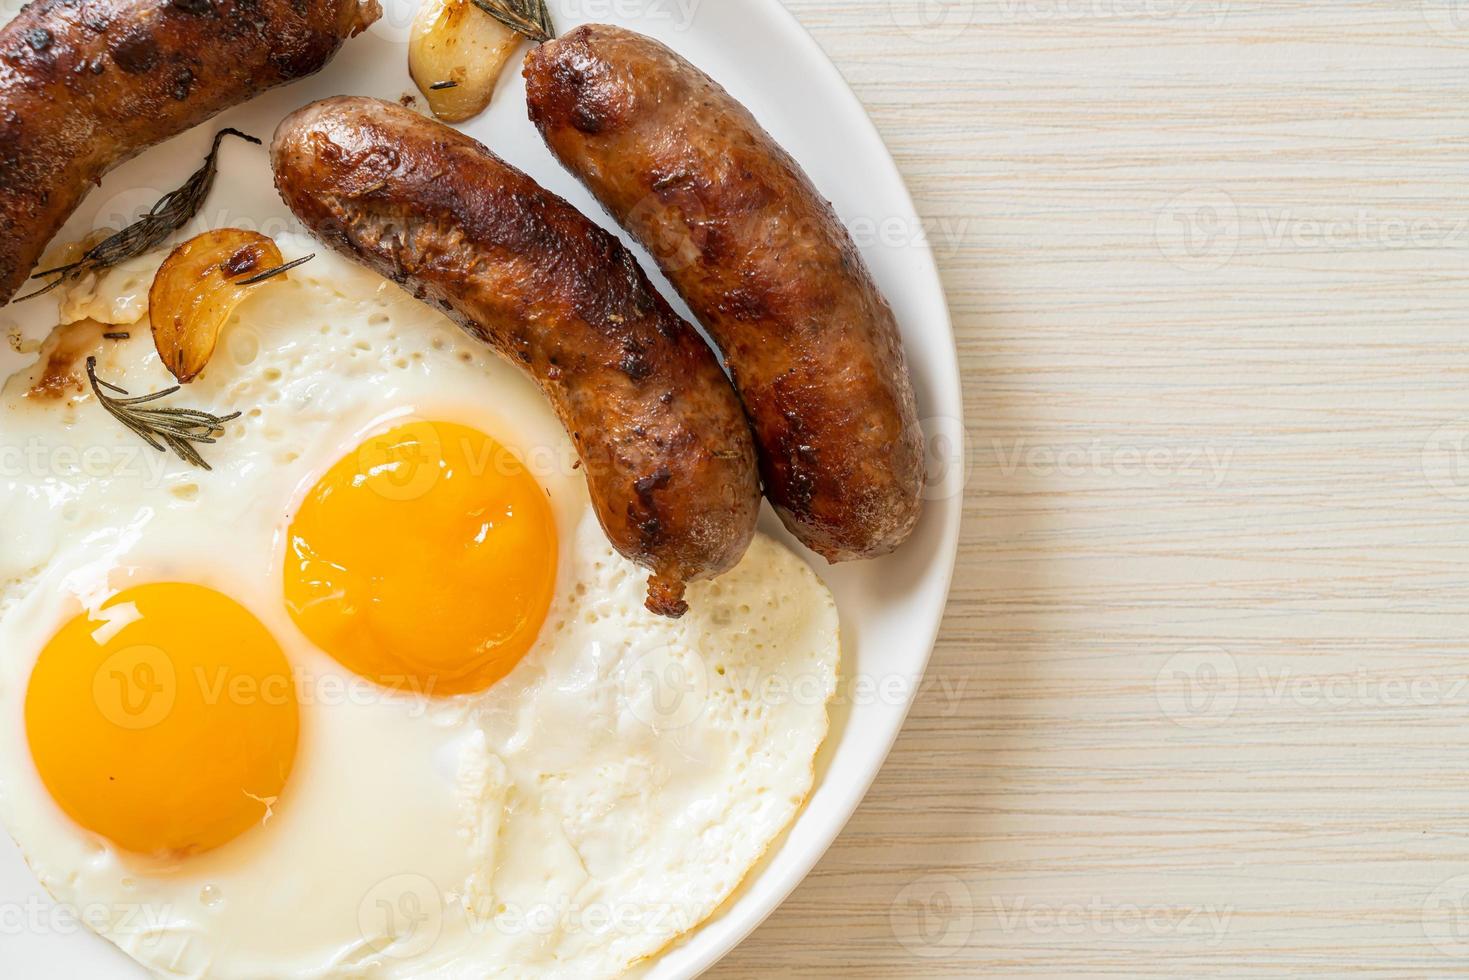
374 696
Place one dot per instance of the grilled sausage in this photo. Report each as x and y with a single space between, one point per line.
764 263
669 458
87 84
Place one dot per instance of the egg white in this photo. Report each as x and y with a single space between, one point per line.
572 820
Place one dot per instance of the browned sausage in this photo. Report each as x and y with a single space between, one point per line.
86 84
668 453
763 261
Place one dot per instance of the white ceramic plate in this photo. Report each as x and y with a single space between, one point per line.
890 608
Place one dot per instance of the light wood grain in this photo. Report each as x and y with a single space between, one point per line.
1209 269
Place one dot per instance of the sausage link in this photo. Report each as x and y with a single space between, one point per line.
87 84
765 264
668 454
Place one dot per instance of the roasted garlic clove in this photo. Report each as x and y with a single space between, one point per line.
456 53
197 288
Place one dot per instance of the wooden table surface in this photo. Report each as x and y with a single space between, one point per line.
1201 702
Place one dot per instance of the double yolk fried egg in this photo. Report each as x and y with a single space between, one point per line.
374 697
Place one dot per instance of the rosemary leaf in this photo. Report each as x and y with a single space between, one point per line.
528 17
178 429
272 273
174 210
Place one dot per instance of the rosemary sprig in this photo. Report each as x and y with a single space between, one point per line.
174 428
174 210
278 270
528 17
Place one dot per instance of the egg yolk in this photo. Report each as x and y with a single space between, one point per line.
165 721
425 561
